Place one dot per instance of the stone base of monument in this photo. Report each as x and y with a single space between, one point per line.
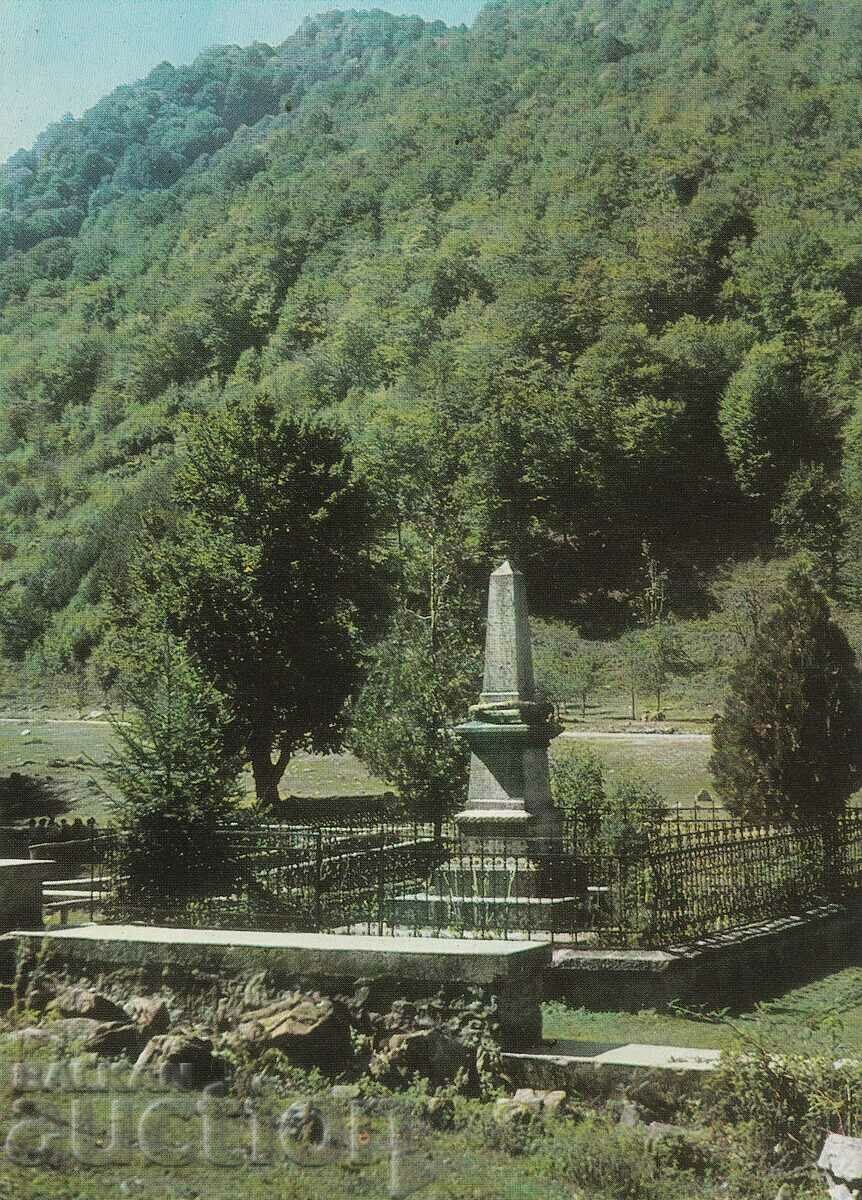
489 914
513 835
543 893
505 878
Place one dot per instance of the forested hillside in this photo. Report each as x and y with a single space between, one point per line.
587 273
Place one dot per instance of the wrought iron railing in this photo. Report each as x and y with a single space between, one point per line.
668 887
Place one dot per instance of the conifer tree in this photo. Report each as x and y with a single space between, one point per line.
786 749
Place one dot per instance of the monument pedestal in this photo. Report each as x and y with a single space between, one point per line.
509 807
507 871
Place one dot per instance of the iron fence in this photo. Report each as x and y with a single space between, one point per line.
709 880
665 888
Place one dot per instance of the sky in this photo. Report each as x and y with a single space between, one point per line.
59 56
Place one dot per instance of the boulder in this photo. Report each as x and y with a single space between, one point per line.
87 1002
256 992
32 1035
841 1164
37 997
183 1052
541 1101
431 1053
312 1030
150 1014
514 1112
629 1115
114 1038
373 995
73 1029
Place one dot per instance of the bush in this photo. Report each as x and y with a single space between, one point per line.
606 1161
608 822
784 1105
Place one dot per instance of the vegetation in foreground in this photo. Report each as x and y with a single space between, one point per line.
752 1128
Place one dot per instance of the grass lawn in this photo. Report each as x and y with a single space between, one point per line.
827 1011
71 755
329 775
677 768
67 754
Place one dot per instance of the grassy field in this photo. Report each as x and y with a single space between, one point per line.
677 767
72 755
825 1012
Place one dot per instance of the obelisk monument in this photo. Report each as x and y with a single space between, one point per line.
509 807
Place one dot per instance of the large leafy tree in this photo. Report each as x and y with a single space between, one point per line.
269 578
425 671
786 749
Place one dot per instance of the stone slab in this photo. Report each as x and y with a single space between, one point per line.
438 957
665 1058
21 890
564 1064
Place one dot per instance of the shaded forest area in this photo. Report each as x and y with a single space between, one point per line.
584 275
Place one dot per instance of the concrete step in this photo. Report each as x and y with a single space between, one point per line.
498 914
69 894
97 884
501 879
561 1064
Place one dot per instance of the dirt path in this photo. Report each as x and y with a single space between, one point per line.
595 735
50 721
592 735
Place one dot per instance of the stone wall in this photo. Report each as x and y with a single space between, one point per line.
730 968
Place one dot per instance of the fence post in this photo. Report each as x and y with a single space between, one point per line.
318 880
92 826
381 885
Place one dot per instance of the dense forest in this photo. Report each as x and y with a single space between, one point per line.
585 274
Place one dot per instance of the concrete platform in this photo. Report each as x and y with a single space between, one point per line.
512 971
58 893
725 968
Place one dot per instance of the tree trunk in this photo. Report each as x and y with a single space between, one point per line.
267 774
633 705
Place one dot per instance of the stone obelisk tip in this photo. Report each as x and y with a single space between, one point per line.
508 654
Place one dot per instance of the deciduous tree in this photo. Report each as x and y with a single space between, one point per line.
269 577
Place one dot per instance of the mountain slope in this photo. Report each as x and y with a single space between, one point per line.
585 273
